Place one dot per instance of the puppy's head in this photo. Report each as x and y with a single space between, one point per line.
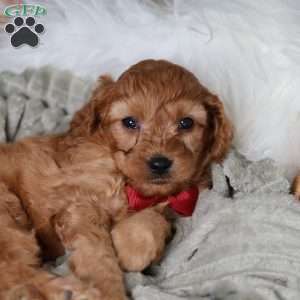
162 125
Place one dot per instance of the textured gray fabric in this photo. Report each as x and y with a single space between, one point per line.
243 241
39 101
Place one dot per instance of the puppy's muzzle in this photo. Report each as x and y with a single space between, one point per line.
159 164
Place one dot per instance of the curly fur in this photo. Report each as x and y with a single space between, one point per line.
66 192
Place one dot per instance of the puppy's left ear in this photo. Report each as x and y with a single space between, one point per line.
87 120
220 130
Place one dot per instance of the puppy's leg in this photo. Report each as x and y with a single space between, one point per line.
19 250
140 239
21 276
84 231
19 263
296 187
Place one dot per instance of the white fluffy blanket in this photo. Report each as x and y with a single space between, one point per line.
246 51
243 241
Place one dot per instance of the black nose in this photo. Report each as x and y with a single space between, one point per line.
159 164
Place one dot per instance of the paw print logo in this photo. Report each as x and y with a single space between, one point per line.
24 33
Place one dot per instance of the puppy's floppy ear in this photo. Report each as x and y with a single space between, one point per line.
220 130
87 120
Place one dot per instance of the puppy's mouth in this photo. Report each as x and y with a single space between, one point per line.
155 185
160 180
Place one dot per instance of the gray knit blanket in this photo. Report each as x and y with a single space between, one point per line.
243 240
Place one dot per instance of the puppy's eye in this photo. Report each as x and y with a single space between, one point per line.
186 123
130 122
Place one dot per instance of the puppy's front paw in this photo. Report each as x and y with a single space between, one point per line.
140 239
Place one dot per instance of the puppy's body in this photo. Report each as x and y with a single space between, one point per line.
70 188
67 190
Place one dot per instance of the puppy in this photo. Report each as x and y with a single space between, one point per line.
153 133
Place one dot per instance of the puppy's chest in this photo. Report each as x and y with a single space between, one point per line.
99 181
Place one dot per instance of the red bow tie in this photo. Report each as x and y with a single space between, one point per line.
183 203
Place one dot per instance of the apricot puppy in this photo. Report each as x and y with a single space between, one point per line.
149 137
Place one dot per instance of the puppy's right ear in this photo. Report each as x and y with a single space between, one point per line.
296 187
220 129
87 120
